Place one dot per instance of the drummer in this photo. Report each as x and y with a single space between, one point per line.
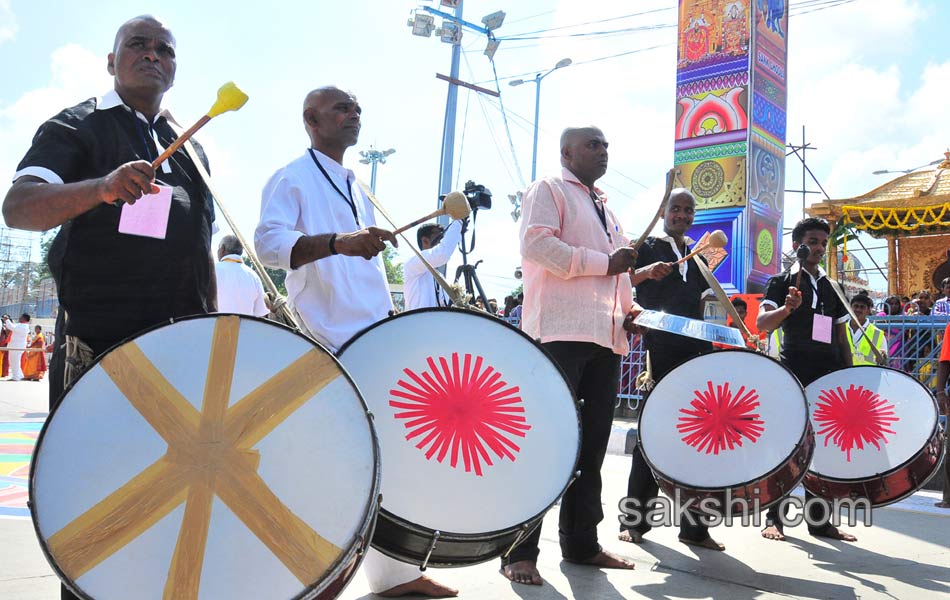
815 341
83 163
318 225
576 295
679 290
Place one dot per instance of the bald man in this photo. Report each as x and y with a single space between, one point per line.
318 225
86 161
577 294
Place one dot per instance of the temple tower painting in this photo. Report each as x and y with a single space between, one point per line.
730 130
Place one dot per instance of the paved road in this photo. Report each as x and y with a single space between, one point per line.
905 555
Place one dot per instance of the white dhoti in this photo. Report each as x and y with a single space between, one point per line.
384 573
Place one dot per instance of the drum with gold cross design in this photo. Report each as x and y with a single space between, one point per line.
213 457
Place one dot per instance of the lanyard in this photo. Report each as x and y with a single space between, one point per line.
347 198
601 212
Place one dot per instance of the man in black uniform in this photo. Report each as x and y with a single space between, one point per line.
815 341
675 289
83 164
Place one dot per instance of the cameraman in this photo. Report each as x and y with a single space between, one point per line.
437 246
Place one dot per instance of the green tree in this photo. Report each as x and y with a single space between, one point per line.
278 276
394 272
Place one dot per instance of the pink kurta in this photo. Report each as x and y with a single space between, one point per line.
567 294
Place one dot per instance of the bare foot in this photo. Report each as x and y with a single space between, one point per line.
942 504
420 586
834 533
523 571
773 533
606 560
708 543
631 537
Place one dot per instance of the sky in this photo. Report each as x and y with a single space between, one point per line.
868 79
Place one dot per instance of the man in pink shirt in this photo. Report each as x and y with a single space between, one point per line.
577 293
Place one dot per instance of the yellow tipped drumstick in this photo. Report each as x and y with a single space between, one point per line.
716 239
455 205
230 97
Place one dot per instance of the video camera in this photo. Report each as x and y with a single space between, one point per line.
478 195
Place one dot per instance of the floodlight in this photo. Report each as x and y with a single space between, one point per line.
450 33
450 3
491 48
422 24
494 20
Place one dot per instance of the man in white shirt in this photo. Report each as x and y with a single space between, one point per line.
21 332
318 225
239 288
437 245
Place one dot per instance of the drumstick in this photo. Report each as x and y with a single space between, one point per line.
455 205
670 176
229 98
716 239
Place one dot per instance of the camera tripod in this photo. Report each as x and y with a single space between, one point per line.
471 277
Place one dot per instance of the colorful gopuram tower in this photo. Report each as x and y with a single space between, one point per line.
730 130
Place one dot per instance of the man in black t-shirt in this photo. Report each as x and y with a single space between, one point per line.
815 341
675 289
83 165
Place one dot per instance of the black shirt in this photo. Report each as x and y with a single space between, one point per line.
802 354
671 295
113 285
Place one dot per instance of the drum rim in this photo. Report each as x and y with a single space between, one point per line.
368 523
934 432
791 455
536 344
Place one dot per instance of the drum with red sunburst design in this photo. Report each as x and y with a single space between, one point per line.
478 433
727 425
877 435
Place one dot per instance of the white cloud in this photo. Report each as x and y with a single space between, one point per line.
8 23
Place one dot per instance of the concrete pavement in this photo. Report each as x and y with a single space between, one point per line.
906 554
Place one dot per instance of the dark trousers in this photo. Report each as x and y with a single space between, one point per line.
818 518
593 372
641 485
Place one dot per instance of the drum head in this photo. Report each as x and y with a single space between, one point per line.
477 426
868 420
216 457
723 419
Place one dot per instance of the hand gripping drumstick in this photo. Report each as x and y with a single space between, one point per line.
455 205
802 255
716 239
670 176
229 98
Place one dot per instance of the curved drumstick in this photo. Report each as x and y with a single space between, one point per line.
716 239
670 176
229 98
455 205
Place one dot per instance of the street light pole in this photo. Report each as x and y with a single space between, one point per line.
371 157
564 62
905 171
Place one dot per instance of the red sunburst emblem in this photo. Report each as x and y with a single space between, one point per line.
853 417
720 419
461 408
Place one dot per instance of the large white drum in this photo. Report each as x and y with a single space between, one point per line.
877 435
729 424
478 431
215 457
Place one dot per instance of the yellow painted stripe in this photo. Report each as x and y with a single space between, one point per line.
293 541
184 575
165 409
220 374
258 413
120 518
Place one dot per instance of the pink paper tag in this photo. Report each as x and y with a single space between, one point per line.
148 217
821 329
